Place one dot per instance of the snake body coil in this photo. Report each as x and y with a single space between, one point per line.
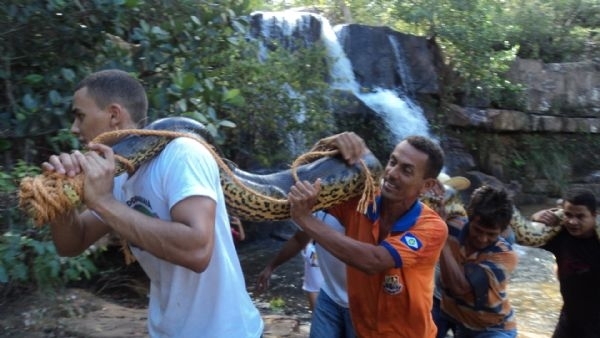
251 197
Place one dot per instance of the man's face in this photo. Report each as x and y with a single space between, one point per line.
482 235
403 176
579 221
89 120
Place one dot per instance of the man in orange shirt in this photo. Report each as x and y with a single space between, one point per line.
391 250
476 265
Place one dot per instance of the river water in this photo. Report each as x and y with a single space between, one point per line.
533 288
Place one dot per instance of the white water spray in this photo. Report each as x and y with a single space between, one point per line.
402 116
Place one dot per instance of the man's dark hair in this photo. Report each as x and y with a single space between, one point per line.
582 196
492 205
435 154
113 85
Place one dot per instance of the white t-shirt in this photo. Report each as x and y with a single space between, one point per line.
313 278
333 270
184 303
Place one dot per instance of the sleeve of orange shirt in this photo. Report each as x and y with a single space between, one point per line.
422 242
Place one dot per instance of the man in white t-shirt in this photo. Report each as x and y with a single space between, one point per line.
171 211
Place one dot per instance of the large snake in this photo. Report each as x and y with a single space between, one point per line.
527 232
537 234
251 197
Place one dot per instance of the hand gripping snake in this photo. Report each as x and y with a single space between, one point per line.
251 197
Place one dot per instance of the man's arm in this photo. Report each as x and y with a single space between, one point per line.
290 249
187 240
544 225
453 273
482 282
366 257
74 232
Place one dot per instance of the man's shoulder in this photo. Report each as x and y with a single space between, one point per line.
431 219
186 147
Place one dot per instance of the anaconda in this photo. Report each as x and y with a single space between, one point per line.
536 234
251 197
527 232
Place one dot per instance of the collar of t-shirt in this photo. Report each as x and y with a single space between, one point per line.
404 223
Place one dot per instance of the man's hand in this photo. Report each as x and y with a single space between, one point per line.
302 197
63 163
262 282
98 165
547 217
351 146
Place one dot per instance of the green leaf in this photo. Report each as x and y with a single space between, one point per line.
34 78
30 102
68 74
188 81
227 124
55 97
131 3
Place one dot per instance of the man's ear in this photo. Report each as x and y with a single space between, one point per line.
116 115
429 184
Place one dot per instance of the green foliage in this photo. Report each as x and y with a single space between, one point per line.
30 257
554 31
277 303
473 36
194 58
27 255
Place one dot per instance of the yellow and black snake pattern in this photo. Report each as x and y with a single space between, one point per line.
251 197
527 232
537 234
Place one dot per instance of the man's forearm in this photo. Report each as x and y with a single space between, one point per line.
363 256
68 234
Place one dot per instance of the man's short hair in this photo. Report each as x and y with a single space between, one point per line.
493 206
435 154
582 196
116 86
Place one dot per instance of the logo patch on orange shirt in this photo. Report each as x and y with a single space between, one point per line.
392 285
411 241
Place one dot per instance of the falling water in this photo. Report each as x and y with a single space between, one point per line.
402 116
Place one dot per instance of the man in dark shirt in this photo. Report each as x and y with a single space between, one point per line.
577 251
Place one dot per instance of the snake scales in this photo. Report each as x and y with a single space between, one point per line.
251 197
527 232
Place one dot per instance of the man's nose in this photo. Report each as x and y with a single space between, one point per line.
75 128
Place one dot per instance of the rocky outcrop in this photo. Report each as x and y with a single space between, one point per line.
501 120
384 58
561 106
559 89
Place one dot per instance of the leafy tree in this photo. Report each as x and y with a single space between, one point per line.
195 58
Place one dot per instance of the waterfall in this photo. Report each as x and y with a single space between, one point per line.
402 116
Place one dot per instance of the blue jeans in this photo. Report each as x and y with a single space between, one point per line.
329 320
442 321
463 332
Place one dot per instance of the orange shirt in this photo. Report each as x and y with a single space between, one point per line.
488 272
396 302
